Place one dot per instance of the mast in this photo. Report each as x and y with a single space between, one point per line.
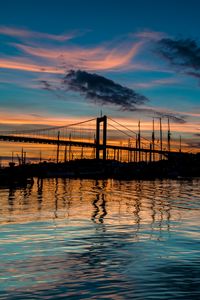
160 138
139 141
65 154
153 141
169 137
58 147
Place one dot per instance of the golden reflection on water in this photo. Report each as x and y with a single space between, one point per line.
101 201
101 239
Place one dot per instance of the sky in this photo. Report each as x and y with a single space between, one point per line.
72 60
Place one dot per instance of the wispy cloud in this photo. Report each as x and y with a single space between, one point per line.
193 144
9 116
117 55
97 58
150 35
157 83
23 65
25 33
151 111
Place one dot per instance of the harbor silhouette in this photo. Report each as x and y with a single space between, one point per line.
137 158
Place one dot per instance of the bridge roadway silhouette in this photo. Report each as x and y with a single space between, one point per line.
10 138
22 137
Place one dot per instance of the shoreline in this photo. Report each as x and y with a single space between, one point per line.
99 169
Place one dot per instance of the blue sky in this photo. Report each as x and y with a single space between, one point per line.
40 41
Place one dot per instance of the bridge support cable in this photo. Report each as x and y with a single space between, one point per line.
132 131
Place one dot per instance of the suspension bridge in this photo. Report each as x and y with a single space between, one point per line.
106 137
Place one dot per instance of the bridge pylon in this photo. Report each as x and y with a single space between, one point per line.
100 146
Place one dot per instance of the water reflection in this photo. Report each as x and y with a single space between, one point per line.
99 203
100 239
136 202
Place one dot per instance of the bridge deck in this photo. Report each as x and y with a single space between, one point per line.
21 139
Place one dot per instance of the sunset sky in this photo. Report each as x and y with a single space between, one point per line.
151 47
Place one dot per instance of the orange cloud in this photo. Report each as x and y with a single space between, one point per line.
11 118
58 60
24 33
8 117
98 58
108 56
113 55
30 67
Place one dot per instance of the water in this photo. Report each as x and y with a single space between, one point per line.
87 239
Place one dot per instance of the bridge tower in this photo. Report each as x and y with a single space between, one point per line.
98 145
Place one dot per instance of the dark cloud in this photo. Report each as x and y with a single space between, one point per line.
56 90
177 119
193 74
184 54
154 113
102 90
47 86
194 144
36 115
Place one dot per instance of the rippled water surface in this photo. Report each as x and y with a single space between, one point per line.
88 239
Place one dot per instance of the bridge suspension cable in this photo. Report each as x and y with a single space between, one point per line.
46 128
130 130
124 132
130 136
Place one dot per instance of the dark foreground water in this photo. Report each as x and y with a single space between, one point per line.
87 239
